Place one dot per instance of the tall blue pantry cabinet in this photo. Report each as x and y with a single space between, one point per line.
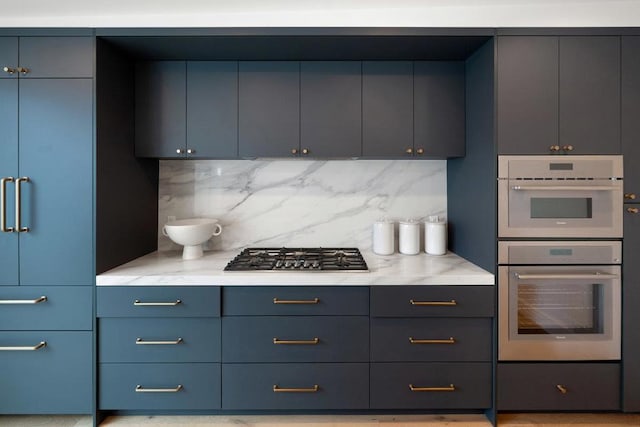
46 242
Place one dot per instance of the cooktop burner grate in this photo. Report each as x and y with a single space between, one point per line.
298 259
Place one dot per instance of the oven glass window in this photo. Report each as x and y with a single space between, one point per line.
560 309
561 207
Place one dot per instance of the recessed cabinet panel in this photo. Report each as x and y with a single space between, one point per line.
439 109
527 94
56 153
160 109
330 108
589 97
212 109
9 168
8 57
387 108
630 312
56 57
269 108
630 120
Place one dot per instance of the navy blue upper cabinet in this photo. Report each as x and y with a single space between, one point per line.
212 109
331 108
387 108
630 115
8 57
161 104
559 95
439 109
269 108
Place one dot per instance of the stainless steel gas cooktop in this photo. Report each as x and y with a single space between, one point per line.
298 259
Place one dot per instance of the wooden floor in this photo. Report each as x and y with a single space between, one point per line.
505 420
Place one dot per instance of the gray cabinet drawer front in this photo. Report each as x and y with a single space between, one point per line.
340 386
432 301
390 385
200 386
195 301
55 379
331 301
251 339
534 386
198 340
390 339
65 308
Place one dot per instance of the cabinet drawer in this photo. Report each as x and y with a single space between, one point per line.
296 300
54 379
339 386
159 301
159 340
435 385
295 339
540 386
432 301
64 308
440 339
159 386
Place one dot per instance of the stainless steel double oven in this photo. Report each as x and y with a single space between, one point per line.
559 255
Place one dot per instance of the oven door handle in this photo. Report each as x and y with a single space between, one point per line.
564 188
567 276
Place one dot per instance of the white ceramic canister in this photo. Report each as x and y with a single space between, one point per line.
409 237
383 237
435 236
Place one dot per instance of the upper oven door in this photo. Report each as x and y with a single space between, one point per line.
552 196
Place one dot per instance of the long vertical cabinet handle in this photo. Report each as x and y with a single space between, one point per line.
3 205
19 228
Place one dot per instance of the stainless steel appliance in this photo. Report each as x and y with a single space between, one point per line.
559 300
298 259
560 196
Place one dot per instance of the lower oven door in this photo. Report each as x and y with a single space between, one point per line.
559 313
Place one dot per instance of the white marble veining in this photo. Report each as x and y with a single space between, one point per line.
168 268
299 202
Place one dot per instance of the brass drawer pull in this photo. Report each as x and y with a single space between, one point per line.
156 304
23 301
38 346
434 303
311 342
277 389
293 301
632 210
630 196
451 340
140 389
140 341
561 388
417 389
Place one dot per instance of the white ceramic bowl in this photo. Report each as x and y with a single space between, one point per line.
192 233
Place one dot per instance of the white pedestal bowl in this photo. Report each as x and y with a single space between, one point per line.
192 233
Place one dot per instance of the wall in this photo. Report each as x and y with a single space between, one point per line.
299 202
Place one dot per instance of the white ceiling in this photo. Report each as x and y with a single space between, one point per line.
301 13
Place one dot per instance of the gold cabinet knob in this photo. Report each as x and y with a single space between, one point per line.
409 151
630 196
294 151
567 148
420 151
632 210
23 70
305 151
190 151
554 148
180 151
562 389
9 70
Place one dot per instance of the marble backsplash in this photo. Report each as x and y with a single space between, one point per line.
299 202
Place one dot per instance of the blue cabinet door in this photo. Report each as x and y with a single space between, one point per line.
8 168
8 57
56 153
56 57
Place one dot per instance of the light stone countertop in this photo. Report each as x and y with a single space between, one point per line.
168 268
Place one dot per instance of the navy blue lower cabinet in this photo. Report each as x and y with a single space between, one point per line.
46 372
431 385
159 386
295 339
295 386
558 387
159 340
436 339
